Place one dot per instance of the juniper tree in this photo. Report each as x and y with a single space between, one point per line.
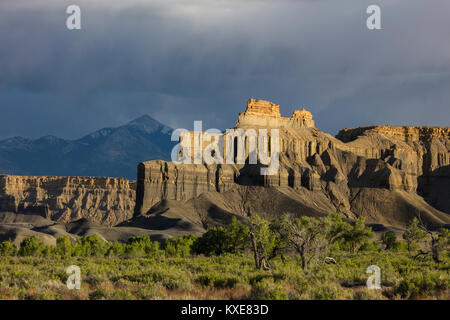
389 240
263 241
414 234
308 236
357 234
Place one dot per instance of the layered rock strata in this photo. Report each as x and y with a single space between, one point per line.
387 174
108 201
265 114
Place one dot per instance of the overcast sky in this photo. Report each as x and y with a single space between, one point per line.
187 60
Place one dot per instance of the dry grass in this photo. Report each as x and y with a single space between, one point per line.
223 277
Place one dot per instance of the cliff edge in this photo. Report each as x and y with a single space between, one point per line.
386 174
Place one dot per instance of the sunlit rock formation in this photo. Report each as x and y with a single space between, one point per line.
387 174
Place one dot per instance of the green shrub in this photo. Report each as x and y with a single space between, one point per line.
421 284
141 246
369 246
179 247
265 241
212 242
357 235
325 291
99 294
64 246
7 248
414 234
403 246
199 277
91 246
389 240
168 277
230 239
217 280
268 290
48 251
115 249
31 247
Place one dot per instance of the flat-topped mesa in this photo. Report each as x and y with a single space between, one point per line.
262 113
257 107
405 133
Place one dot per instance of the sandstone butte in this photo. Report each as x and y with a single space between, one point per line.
388 174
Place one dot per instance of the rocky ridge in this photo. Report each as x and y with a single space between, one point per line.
387 174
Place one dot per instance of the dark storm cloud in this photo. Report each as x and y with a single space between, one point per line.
181 61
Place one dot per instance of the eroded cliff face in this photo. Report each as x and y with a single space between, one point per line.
108 201
387 174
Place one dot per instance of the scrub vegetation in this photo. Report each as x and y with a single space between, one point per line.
304 258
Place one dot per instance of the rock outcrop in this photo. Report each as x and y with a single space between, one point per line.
387 174
108 201
265 114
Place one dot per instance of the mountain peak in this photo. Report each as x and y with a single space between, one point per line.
149 125
144 117
108 152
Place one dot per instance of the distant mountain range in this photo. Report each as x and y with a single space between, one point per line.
108 152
